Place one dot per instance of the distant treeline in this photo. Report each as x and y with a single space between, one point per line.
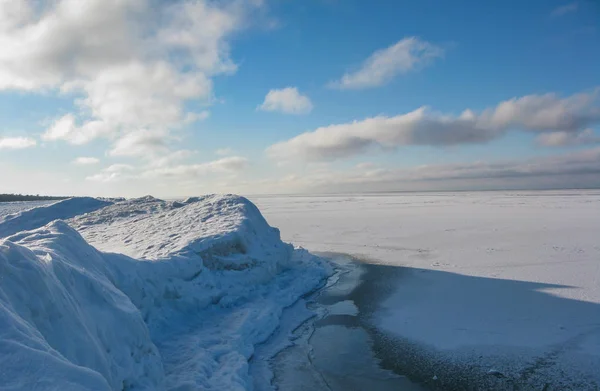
27 197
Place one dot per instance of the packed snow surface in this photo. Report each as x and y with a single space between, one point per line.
12 207
36 217
508 281
143 294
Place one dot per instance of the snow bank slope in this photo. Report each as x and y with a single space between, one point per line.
203 281
37 217
225 230
63 324
220 279
12 207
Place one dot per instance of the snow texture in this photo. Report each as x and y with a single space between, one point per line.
7 208
143 294
37 217
502 281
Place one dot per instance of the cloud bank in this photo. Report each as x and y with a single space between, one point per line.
580 169
532 113
131 66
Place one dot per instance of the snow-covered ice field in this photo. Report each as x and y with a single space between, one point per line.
500 282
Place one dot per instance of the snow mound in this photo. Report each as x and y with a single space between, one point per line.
64 325
172 296
12 207
227 232
37 217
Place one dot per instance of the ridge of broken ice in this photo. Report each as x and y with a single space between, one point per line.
144 293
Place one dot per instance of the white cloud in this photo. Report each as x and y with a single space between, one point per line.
546 112
228 165
131 64
537 113
383 65
119 168
168 159
194 117
115 172
65 128
561 139
565 9
16 142
86 161
141 143
287 100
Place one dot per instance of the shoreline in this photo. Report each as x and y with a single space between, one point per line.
439 370
344 326
499 289
408 358
332 351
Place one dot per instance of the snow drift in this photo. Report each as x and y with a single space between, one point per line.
64 324
36 217
143 294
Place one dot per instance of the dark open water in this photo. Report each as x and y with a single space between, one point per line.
334 351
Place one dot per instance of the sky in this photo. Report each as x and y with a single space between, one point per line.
180 98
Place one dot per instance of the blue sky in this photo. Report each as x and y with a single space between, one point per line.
133 97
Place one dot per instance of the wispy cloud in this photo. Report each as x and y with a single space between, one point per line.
141 143
227 165
562 139
115 172
16 142
382 66
170 167
534 113
287 100
224 151
564 9
580 169
169 159
86 161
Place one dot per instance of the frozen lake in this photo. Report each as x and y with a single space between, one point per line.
488 290
506 284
